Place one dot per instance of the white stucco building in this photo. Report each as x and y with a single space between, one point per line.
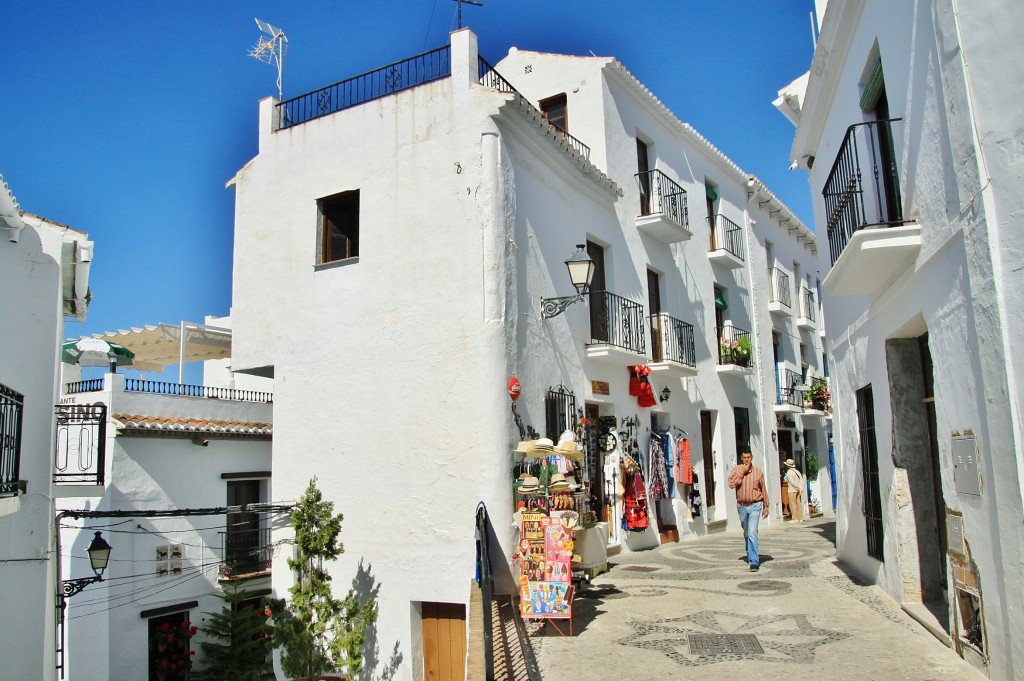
44 278
909 125
155 466
394 238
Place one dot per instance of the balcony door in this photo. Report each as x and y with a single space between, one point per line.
643 164
707 450
243 528
599 332
654 303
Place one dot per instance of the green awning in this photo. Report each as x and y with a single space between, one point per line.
720 299
711 193
872 89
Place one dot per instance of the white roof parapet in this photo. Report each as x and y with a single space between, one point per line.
756 189
534 116
10 211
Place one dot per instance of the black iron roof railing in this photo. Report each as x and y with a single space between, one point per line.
160 388
726 235
853 201
12 406
366 87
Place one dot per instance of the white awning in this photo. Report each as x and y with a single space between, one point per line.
158 346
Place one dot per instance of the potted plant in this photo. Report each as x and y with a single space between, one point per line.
819 396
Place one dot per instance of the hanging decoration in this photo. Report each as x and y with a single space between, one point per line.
514 388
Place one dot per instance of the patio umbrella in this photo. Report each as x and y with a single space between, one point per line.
95 352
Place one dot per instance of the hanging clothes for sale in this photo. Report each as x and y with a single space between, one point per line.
668 445
634 512
659 473
684 467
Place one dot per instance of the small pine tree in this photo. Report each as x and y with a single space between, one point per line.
241 640
318 633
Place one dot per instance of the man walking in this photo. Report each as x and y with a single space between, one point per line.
751 502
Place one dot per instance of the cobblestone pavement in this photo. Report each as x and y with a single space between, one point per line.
693 610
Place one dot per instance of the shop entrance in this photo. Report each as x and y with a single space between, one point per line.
444 641
595 462
785 443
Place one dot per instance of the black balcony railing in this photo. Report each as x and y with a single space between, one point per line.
245 551
726 235
807 302
141 386
386 80
81 444
617 321
12 405
734 346
91 386
672 340
788 383
660 195
856 197
779 287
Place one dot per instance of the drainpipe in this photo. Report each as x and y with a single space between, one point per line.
10 212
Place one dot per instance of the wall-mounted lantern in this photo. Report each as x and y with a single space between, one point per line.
665 394
581 272
99 555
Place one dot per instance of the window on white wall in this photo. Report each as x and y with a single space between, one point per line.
339 227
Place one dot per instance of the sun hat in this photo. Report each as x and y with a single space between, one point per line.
529 484
524 446
569 449
791 463
541 447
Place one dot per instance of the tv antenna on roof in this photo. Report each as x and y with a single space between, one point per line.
467 2
271 50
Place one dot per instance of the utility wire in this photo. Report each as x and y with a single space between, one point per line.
121 605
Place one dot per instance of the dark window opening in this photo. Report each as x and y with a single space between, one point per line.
869 472
741 417
556 111
339 226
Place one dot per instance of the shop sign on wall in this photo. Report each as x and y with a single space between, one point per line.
545 579
600 388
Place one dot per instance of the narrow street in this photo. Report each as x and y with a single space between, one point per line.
661 614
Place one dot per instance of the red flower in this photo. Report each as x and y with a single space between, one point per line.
268 612
164 627
191 652
170 637
192 631
586 422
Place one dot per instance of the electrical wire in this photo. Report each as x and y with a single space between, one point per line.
426 35
153 593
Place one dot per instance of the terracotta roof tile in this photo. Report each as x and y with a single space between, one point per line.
171 424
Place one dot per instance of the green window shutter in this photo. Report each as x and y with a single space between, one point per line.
872 89
711 193
720 300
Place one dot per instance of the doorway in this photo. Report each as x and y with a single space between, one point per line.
598 300
444 641
654 305
707 434
785 443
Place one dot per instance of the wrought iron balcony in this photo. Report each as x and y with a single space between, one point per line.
857 198
807 305
734 346
245 552
672 340
617 321
787 383
12 405
726 236
780 290
81 444
386 80
660 195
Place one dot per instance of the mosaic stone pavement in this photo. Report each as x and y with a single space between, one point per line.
693 610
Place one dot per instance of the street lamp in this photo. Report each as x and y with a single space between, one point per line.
581 273
99 556
665 394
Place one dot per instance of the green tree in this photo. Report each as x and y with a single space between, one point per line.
318 633
241 640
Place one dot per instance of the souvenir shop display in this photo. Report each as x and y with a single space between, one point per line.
545 557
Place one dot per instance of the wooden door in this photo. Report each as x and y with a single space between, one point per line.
643 164
706 434
599 332
654 303
444 641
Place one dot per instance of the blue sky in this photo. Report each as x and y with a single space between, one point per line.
124 119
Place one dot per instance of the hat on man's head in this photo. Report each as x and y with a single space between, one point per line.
791 463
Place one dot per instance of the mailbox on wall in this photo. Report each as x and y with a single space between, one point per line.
965 465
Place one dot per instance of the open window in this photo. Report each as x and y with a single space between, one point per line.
339 227
556 111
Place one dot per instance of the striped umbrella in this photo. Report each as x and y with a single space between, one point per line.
95 352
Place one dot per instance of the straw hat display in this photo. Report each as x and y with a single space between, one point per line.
529 485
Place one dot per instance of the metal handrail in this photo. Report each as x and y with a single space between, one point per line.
616 321
725 235
672 340
844 191
490 78
486 582
12 408
787 383
366 87
780 289
660 194
183 389
90 386
807 296
245 551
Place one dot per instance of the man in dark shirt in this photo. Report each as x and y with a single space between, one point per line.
751 502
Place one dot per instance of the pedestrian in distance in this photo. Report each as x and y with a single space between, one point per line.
795 481
751 502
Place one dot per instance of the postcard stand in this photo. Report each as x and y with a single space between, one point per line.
545 567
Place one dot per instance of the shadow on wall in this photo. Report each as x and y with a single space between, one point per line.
365 586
